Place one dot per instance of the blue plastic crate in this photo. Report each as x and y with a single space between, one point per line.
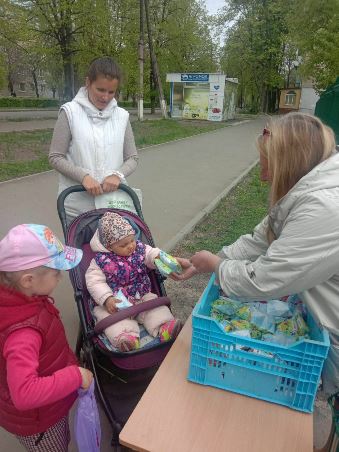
288 375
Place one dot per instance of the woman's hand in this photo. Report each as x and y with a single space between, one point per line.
188 270
110 304
205 262
92 186
111 183
86 377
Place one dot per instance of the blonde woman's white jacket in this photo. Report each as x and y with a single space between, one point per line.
304 258
96 146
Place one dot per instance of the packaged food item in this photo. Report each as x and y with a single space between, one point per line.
278 308
262 321
124 303
167 264
226 306
239 324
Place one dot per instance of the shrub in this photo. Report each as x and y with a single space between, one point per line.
26 102
129 104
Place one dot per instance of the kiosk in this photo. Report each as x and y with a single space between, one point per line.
210 97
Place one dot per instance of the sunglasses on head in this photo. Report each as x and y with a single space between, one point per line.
266 132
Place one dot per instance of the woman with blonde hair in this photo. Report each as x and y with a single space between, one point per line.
295 249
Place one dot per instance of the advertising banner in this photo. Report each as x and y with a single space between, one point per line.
215 106
195 103
215 102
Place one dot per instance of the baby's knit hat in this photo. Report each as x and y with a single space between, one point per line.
112 227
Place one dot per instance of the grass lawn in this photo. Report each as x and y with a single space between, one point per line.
23 153
148 133
236 214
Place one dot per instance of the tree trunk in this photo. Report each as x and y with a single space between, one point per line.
162 100
152 91
35 81
264 99
10 84
69 83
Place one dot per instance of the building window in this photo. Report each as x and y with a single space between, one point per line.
22 87
290 98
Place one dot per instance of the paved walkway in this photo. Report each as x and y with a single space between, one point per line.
178 179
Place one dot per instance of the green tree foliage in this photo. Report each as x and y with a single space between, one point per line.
21 48
182 36
111 28
65 35
314 25
254 49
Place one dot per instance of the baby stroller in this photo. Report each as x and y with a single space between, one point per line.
121 378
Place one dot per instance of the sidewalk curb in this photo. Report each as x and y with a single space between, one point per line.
205 211
16 179
196 135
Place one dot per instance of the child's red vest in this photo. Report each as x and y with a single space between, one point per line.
18 311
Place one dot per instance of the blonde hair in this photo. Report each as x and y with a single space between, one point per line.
297 143
11 279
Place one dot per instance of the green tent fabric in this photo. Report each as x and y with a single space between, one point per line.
327 107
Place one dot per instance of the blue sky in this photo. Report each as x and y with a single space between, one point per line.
214 5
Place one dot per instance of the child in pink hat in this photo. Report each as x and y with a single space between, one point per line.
120 265
39 374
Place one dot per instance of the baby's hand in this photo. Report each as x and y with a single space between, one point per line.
86 377
110 304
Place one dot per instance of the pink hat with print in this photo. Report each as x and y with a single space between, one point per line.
112 227
33 245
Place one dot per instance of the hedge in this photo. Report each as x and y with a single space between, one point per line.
129 104
26 102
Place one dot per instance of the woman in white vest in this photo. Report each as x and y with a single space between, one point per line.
93 142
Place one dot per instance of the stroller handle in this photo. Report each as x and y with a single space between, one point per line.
78 188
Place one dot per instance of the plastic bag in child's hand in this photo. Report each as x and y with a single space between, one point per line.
87 428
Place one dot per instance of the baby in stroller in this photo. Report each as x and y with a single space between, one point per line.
120 264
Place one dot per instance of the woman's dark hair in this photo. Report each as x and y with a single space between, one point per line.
105 66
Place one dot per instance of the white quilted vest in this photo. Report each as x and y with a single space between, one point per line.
96 146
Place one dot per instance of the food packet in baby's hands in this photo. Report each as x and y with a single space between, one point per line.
124 303
171 262
167 264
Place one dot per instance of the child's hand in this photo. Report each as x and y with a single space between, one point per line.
205 262
86 376
110 304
